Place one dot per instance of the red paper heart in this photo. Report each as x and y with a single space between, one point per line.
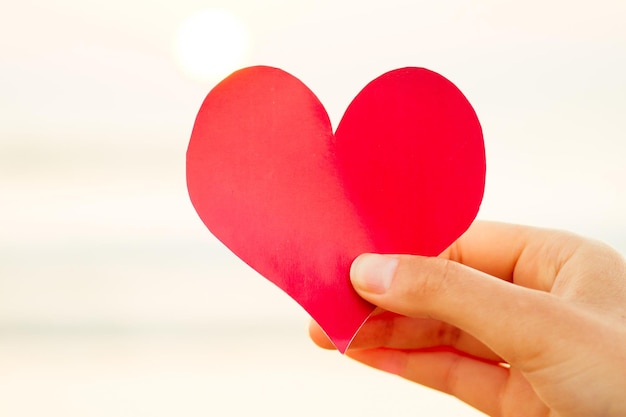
404 173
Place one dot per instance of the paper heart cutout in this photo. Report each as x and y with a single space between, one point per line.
404 173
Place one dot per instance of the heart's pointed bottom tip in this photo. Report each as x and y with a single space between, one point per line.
342 345
343 338
342 349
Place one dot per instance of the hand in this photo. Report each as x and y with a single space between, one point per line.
513 320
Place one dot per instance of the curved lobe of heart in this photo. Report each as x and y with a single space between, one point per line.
404 173
411 151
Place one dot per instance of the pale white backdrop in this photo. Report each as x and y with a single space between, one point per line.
114 298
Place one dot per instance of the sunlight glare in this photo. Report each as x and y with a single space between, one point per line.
211 44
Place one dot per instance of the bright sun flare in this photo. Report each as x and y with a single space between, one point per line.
211 44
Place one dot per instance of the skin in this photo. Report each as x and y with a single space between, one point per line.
515 321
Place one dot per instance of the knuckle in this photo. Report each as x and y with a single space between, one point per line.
424 284
434 276
448 335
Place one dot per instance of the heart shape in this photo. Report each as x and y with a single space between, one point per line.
404 173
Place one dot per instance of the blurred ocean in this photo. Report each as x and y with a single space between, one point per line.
116 301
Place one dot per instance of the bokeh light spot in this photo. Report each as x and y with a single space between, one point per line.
211 43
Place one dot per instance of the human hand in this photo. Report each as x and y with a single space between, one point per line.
513 320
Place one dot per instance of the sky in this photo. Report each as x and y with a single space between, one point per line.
94 95
98 102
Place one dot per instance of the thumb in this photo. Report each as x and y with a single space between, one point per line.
528 328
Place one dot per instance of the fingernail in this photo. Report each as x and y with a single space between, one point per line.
373 273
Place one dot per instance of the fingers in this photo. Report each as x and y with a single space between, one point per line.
483 385
528 256
521 325
393 331
595 276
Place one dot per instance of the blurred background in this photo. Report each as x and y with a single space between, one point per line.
114 298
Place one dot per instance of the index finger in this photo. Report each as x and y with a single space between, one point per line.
527 256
